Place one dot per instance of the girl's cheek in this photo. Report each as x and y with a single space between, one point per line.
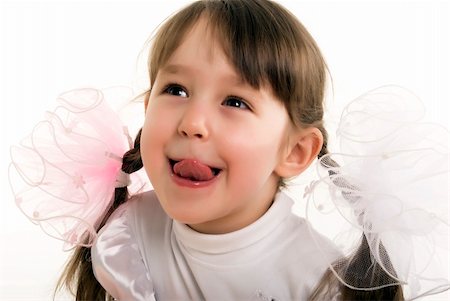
149 137
158 127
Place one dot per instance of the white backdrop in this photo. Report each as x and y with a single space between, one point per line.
52 46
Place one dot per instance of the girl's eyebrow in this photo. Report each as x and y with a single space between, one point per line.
173 68
232 78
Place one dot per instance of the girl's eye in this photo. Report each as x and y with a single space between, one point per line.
175 90
236 102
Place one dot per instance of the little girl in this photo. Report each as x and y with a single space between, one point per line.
234 109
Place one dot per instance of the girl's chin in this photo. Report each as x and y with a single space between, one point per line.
186 214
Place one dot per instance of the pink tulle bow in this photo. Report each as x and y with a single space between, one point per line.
63 175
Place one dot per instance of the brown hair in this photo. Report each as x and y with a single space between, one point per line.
360 269
268 46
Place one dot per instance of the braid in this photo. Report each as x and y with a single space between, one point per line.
362 271
78 275
359 267
132 161
324 149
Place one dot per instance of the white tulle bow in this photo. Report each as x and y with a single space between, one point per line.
64 174
390 182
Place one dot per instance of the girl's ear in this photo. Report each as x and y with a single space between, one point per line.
302 148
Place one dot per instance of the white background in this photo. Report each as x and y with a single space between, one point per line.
49 47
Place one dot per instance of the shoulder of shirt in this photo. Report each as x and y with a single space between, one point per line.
306 238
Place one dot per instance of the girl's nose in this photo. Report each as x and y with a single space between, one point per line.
194 123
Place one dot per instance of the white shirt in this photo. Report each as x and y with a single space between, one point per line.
142 254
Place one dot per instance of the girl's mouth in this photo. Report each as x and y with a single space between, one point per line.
193 170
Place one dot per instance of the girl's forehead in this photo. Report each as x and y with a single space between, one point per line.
204 42
205 33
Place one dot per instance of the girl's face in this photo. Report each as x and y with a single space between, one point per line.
211 143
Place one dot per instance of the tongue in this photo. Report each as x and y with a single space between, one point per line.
193 170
